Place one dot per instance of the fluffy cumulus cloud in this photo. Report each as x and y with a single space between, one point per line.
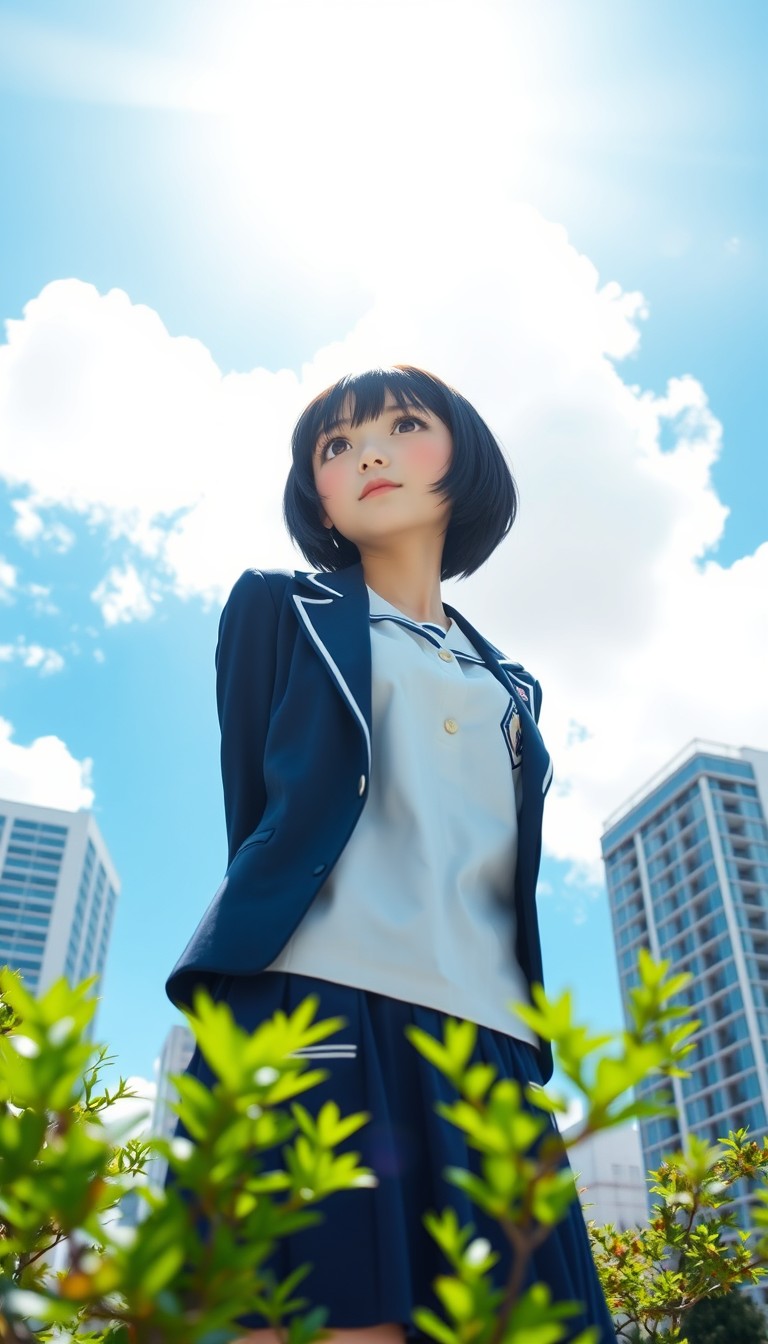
607 587
29 526
122 596
45 772
102 414
45 661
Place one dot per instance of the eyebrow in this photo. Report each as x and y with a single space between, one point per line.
341 424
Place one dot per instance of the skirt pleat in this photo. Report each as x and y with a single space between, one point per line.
373 1260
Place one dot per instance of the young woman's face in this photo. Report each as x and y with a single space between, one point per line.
409 449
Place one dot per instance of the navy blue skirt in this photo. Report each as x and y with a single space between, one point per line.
373 1260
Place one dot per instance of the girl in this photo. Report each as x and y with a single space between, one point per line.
384 780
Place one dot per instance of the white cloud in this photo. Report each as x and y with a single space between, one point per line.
122 596
30 526
44 773
41 599
607 587
8 580
130 1117
44 661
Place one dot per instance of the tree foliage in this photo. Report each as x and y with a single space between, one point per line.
187 1272
261 1161
693 1250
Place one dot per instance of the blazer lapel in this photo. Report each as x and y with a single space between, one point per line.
536 763
334 613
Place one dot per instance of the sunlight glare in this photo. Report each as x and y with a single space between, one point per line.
356 131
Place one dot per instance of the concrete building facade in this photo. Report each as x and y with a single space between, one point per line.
610 1178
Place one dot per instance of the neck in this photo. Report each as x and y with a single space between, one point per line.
409 578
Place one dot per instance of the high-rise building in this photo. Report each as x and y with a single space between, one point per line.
686 862
58 889
177 1051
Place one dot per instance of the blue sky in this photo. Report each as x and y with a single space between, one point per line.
558 208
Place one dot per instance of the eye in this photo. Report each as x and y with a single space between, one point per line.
325 451
410 420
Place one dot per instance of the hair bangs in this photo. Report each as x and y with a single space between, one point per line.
365 394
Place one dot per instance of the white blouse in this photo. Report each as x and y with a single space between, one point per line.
419 905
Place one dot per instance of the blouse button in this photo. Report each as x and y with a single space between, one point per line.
446 656
361 785
451 726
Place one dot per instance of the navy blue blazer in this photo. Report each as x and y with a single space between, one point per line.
293 665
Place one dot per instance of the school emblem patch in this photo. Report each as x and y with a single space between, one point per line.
512 728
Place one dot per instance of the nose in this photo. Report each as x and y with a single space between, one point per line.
372 454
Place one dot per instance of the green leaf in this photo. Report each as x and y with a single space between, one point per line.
332 1129
446 1231
478 1190
161 1271
431 1049
477 1080
293 1084
431 1325
304 1329
460 1038
455 1296
553 1196
482 1131
22 1136
546 1101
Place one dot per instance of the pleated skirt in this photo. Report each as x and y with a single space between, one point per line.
372 1259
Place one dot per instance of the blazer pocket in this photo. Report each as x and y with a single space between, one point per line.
259 838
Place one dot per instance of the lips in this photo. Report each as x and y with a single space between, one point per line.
377 487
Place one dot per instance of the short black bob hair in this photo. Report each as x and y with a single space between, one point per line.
478 482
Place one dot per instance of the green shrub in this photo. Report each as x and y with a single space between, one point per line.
261 1164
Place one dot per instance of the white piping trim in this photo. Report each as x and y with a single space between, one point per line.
313 578
327 1052
414 626
510 662
547 780
300 601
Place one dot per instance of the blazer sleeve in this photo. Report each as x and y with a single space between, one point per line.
245 675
